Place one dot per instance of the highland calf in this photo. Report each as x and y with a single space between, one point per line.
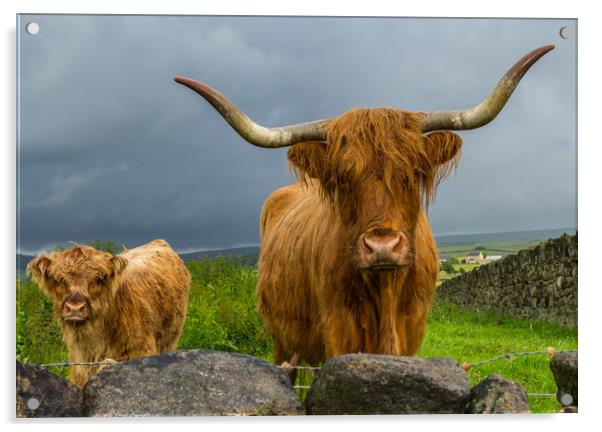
348 262
115 307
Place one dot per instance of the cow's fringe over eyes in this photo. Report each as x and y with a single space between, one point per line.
383 142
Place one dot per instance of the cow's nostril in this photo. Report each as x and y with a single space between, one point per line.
366 244
398 245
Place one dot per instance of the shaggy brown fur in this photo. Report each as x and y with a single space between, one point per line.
115 307
376 171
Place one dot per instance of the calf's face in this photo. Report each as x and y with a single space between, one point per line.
376 170
81 282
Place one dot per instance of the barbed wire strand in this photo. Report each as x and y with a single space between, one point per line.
112 362
286 367
62 364
550 351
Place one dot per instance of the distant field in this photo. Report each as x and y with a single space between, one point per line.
443 276
490 248
458 250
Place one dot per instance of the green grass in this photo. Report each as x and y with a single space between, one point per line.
222 316
443 276
221 310
39 338
476 336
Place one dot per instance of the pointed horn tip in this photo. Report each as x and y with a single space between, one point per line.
201 88
545 49
181 80
191 83
524 64
537 53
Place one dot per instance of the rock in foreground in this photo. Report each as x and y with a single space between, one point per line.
382 384
564 368
496 395
41 393
191 383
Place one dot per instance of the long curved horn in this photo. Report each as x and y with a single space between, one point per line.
488 109
252 132
315 130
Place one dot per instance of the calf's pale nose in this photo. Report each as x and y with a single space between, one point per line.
75 307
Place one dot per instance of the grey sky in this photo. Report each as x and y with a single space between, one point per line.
111 147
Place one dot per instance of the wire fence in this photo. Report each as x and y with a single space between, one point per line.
550 351
96 363
286 367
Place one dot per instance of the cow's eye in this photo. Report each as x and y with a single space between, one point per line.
406 184
100 280
95 290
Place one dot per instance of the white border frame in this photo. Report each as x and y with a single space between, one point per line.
588 181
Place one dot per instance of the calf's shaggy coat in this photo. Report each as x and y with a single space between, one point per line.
115 307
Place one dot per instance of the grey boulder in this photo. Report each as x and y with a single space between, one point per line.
496 395
383 384
191 383
564 367
41 393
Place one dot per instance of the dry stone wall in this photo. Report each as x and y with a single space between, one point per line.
205 382
538 283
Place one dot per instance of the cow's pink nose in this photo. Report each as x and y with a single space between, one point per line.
383 245
381 249
75 307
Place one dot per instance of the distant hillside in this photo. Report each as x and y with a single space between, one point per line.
504 236
501 244
249 255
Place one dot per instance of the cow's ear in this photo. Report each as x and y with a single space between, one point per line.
308 158
443 147
38 269
118 264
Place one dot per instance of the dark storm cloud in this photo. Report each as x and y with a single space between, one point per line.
111 147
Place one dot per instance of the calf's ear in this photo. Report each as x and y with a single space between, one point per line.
118 264
308 158
38 269
38 266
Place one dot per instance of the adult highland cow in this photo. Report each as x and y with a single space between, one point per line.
348 262
115 307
